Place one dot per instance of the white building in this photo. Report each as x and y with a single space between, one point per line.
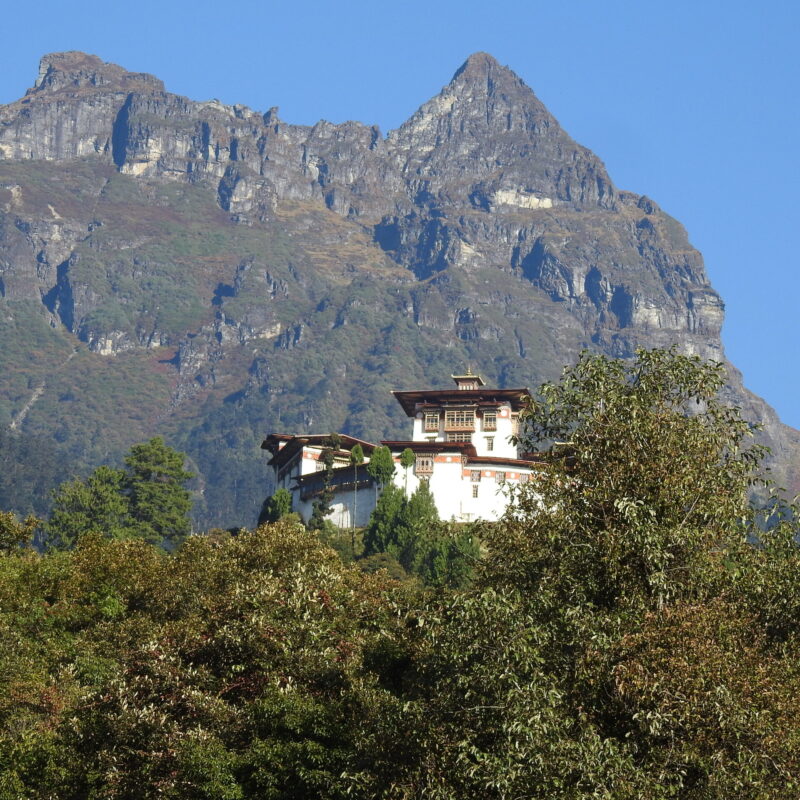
461 440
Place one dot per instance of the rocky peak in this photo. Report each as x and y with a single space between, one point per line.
487 132
75 70
483 74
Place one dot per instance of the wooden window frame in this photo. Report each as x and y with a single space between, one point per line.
423 464
461 419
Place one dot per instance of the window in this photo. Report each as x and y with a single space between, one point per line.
319 466
424 464
524 477
490 420
500 477
431 421
459 420
459 437
515 424
475 490
490 443
475 475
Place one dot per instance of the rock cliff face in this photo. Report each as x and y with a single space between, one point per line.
212 272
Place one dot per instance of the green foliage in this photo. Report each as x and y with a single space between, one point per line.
409 532
381 466
233 668
97 504
383 561
158 501
276 506
446 556
415 525
13 533
654 479
321 507
147 499
357 455
380 534
407 458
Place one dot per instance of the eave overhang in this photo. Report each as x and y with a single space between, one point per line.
294 444
412 401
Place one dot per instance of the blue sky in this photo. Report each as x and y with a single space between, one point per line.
692 103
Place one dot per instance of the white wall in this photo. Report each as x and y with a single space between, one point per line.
502 446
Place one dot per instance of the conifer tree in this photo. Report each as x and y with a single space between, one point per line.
322 502
381 532
147 499
276 506
407 459
13 533
98 504
356 459
381 467
415 523
159 503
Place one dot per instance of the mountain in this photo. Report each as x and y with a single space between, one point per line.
212 273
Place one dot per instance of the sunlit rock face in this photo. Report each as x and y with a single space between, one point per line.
225 259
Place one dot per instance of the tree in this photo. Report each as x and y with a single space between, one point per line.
621 619
322 502
381 467
159 503
276 506
416 523
147 499
99 504
356 459
13 533
381 532
653 479
407 459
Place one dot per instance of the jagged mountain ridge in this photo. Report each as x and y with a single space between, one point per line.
212 272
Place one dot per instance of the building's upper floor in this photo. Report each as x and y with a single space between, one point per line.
488 419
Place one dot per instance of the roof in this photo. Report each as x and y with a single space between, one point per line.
464 448
461 397
468 450
293 444
508 462
468 376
